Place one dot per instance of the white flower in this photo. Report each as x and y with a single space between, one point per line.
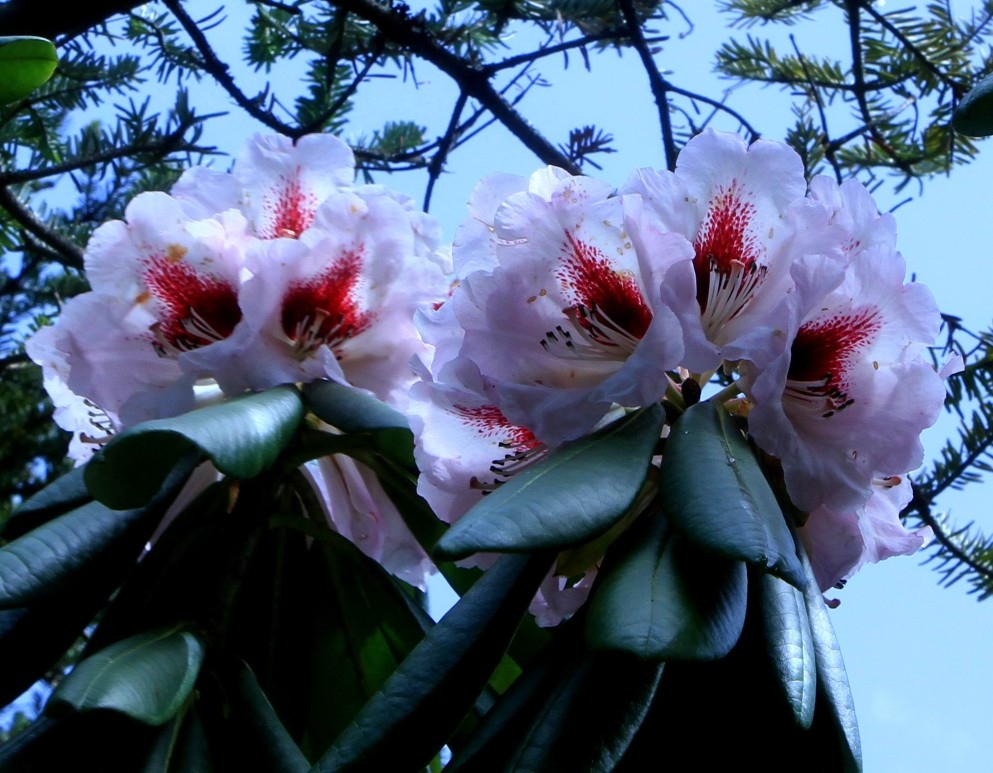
276 183
840 543
848 398
338 302
743 209
556 313
357 508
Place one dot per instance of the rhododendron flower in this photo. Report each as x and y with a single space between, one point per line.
337 302
276 183
848 398
840 543
104 373
358 508
181 275
556 310
280 271
465 448
744 211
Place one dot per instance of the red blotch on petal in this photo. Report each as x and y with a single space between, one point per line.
324 309
602 293
822 354
289 212
489 421
196 309
824 348
724 239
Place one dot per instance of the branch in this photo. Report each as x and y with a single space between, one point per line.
220 72
533 56
921 506
71 255
854 8
717 105
917 53
829 149
444 146
169 143
398 26
658 84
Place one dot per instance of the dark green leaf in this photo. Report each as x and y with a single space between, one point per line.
545 721
421 704
146 677
112 741
25 64
574 495
974 114
63 552
352 410
36 638
714 492
275 749
180 747
832 679
62 494
662 598
362 629
789 644
242 437
53 556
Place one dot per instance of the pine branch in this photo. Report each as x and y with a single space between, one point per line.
168 144
71 256
397 25
220 72
658 84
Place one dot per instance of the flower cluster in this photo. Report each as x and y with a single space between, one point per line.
575 301
281 271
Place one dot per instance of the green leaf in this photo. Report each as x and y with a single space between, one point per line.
574 495
363 628
242 437
275 749
664 599
25 64
352 410
973 115
62 494
422 703
146 677
544 722
832 679
36 638
50 558
105 739
714 492
62 553
789 645
180 746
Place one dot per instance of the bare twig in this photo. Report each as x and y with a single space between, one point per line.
444 146
658 84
